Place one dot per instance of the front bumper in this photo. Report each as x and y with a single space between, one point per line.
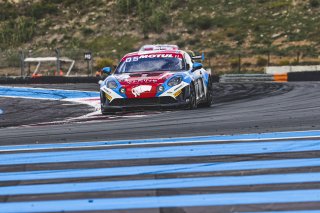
145 103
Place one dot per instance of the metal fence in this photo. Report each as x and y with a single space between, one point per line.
11 62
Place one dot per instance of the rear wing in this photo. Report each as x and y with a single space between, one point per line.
153 47
198 57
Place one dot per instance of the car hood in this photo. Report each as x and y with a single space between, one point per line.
144 84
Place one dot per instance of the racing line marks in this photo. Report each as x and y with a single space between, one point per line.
181 192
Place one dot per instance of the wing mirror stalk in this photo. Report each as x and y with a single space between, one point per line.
107 70
196 66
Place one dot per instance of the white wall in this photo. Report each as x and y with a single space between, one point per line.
286 69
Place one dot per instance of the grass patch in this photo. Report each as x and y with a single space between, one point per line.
17 31
110 46
41 9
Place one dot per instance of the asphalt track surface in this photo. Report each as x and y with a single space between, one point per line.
232 108
271 173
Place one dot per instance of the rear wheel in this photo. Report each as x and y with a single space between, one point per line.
209 98
104 112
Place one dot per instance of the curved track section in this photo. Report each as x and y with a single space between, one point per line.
17 112
49 169
158 125
282 109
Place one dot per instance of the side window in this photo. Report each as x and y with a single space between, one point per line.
188 60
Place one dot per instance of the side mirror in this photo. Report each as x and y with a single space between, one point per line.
106 70
100 82
196 66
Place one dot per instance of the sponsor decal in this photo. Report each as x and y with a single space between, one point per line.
108 97
122 77
179 87
137 91
177 93
163 55
156 56
142 81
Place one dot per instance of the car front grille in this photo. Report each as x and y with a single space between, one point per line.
142 101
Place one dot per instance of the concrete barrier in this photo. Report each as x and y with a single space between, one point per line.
288 69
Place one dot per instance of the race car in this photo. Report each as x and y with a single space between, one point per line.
156 78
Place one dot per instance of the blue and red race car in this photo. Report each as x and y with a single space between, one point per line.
156 76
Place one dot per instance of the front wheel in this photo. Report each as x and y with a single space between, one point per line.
192 98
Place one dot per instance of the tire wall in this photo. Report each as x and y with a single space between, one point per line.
304 76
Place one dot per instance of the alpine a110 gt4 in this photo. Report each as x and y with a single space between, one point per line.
156 78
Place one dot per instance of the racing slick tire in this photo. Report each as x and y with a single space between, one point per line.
209 97
192 98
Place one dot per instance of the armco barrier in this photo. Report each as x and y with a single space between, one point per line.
234 78
48 80
291 76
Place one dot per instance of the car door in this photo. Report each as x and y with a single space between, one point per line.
198 76
195 75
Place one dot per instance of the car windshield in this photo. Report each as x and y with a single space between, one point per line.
136 64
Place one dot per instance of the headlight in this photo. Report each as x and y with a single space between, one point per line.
175 81
112 85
